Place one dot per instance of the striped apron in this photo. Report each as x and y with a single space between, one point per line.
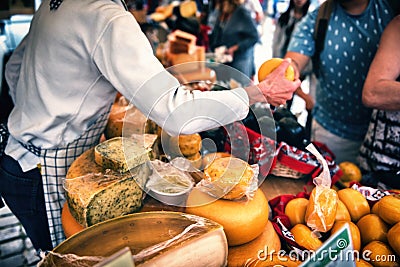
54 167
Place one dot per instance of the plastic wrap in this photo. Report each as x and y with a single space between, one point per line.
96 197
154 238
122 112
168 179
321 210
232 182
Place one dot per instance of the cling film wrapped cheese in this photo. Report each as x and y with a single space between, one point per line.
97 197
321 210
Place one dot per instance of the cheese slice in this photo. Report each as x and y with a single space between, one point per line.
123 153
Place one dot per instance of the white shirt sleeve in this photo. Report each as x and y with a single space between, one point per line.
124 56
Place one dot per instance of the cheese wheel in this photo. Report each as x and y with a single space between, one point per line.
267 242
233 174
69 224
95 195
243 221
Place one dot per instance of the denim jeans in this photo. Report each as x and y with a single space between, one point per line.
23 194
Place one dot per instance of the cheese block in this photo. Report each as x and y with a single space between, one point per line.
122 153
243 221
154 238
94 194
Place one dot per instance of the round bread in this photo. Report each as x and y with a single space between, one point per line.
233 174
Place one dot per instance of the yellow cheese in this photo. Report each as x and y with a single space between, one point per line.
243 221
122 153
154 238
95 195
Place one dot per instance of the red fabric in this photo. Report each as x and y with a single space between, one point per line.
251 146
278 205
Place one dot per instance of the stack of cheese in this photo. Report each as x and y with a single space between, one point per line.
223 196
107 181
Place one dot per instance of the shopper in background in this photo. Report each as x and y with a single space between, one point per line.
283 31
63 79
236 30
380 152
340 120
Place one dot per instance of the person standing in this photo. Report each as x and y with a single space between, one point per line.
236 30
340 120
380 151
63 79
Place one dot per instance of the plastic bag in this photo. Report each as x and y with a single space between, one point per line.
321 210
229 186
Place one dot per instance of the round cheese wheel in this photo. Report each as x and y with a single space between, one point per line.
69 224
243 221
267 242
233 174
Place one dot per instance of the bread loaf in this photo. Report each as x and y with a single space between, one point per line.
95 194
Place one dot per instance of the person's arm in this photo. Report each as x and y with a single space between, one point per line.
13 67
381 90
125 58
299 61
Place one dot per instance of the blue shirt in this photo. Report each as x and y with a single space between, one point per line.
350 45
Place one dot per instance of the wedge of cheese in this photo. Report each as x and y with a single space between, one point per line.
154 238
123 153
95 194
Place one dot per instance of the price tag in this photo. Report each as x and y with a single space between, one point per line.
122 258
337 250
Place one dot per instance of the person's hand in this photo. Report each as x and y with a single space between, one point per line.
231 50
275 89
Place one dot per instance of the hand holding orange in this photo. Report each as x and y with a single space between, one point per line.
270 65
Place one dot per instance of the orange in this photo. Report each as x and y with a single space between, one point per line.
393 237
321 209
389 209
304 237
380 254
296 210
372 228
355 202
351 172
270 65
354 232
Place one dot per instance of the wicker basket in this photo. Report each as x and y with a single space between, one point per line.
284 171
